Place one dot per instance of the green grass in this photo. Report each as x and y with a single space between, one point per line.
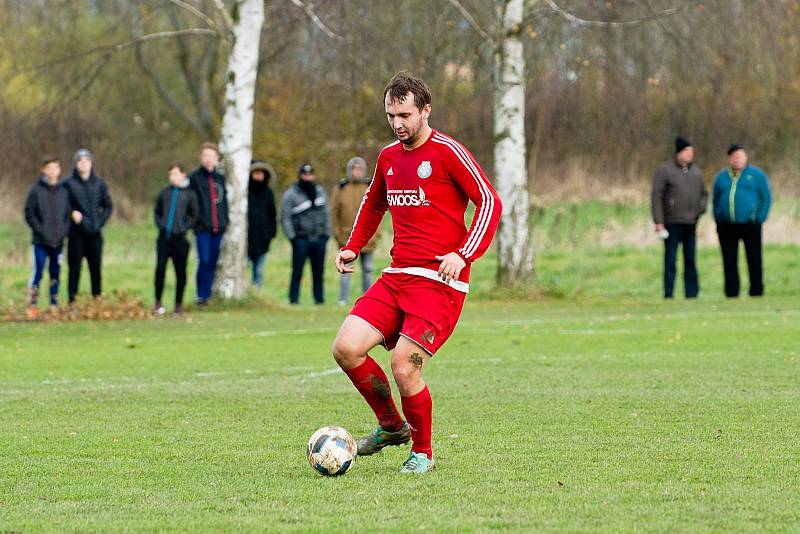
584 404
594 417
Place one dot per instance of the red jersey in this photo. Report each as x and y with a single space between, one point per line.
426 190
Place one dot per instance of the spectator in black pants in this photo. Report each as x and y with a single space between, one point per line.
306 221
91 208
742 199
679 197
175 211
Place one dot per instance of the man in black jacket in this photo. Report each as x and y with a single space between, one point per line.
261 217
91 208
212 219
175 211
679 197
47 211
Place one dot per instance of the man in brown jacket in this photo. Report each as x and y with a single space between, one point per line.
678 199
345 201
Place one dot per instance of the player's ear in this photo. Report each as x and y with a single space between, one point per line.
426 111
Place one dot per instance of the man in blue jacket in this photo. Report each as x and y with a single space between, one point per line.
741 204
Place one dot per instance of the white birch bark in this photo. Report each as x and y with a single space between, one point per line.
237 142
515 253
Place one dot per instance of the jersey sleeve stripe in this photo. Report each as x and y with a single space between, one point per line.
484 216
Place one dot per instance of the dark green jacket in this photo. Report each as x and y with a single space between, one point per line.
679 195
742 199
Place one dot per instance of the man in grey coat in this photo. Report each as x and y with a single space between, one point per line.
679 197
306 221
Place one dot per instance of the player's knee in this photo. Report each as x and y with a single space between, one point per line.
405 374
346 353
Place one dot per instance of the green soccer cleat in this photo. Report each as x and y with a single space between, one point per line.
417 463
381 438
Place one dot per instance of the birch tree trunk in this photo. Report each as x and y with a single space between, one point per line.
515 255
236 144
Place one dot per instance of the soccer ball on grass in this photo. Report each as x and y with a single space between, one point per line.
331 451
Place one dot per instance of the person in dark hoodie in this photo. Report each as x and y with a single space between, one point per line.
306 222
175 211
261 217
212 219
679 197
91 209
47 211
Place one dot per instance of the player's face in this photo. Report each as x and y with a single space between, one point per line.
405 118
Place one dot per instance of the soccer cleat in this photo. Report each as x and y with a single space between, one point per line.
381 438
417 463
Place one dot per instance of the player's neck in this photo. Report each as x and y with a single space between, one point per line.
424 134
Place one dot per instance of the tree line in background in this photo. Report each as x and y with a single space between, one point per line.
606 83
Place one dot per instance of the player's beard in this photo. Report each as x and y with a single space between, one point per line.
413 136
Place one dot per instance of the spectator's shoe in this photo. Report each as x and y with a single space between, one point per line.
417 463
178 310
158 309
32 312
381 438
342 303
201 302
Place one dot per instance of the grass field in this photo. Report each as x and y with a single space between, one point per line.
590 406
659 417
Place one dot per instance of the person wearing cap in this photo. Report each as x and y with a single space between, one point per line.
345 201
209 225
679 196
741 200
306 221
91 208
261 217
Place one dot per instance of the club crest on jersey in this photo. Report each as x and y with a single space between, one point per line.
424 170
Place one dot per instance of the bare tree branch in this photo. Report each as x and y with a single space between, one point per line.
472 22
309 10
225 16
611 24
110 49
196 12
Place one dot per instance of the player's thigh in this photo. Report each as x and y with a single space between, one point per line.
355 338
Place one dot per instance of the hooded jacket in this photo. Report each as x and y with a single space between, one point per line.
303 218
261 215
745 198
201 185
186 210
679 195
47 210
91 198
345 201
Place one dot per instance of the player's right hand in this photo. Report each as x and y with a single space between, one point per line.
344 259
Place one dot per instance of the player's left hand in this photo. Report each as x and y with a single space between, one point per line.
450 268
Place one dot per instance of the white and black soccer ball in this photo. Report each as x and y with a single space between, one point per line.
332 451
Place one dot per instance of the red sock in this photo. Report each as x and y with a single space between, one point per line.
370 380
418 410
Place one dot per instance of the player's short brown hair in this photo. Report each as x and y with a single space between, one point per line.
176 165
403 83
48 159
210 146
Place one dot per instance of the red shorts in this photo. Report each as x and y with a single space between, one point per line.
422 310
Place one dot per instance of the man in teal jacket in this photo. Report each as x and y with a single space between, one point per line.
741 204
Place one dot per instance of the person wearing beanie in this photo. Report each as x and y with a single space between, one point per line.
261 217
306 221
91 208
345 201
211 221
741 200
678 199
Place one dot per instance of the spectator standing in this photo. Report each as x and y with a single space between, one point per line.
261 217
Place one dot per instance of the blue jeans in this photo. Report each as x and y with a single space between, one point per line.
302 249
258 270
208 245
680 234
41 254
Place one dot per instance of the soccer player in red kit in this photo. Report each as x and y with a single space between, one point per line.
425 179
